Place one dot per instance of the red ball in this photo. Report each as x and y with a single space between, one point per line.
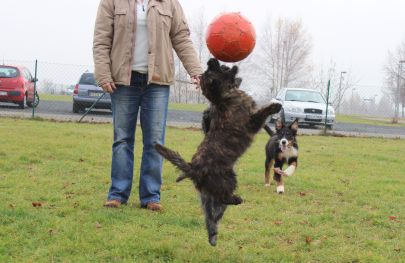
230 37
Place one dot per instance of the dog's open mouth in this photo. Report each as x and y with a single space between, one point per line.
283 148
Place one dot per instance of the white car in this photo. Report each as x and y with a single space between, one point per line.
306 105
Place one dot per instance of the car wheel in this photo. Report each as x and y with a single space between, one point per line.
330 127
28 103
77 108
23 103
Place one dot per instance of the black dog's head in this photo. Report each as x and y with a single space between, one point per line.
286 134
217 80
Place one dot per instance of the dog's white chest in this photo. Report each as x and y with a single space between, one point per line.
290 152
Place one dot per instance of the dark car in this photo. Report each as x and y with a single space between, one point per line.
16 86
86 93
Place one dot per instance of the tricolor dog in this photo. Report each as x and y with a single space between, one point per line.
281 148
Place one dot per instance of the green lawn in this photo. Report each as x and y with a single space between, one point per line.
201 107
188 107
345 204
53 97
172 106
379 121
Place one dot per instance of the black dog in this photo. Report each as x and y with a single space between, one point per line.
281 148
210 112
232 123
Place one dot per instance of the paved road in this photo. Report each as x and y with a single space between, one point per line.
61 110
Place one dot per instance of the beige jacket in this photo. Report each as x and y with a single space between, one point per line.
114 38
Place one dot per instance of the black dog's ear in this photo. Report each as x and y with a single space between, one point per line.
294 126
279 125
213 64
234 70
238 81
225 68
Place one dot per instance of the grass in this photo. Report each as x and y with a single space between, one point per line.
201 107
369 120
53 97
172 106
187 107
336 208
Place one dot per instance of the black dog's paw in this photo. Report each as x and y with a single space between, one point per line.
212 239
233 200
275 107
213 64
237 200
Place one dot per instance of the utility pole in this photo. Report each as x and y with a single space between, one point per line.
340 91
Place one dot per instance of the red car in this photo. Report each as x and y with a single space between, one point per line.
16 86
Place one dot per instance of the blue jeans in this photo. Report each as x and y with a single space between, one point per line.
152 100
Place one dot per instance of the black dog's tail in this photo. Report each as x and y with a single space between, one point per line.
173 157
269 130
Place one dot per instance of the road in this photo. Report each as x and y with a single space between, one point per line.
62 110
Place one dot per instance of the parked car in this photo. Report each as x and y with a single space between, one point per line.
16 86
69 90
86 93
307 105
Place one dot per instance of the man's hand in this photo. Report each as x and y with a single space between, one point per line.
196 81
109 87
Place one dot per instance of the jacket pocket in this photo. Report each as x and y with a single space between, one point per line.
120 16
165 17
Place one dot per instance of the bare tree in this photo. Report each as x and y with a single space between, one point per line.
394 80
183 91
284 55
384 107
198 27
346 83
180 82
341 82
48 86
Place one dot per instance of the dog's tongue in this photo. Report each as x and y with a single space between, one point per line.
283 148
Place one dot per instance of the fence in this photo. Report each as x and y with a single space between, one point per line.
66 92
57 82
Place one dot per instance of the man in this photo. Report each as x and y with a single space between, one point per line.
133 57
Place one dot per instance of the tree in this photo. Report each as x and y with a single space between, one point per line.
180 80
183 91
394 80
198 27
283 58
384 107
340 84
47 86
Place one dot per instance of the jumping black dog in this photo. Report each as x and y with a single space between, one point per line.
233 120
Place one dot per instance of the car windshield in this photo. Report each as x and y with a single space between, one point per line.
88 79
304 96
8 72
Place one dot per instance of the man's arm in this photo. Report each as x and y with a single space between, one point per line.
102 42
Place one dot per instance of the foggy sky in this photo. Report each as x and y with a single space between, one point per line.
356 34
